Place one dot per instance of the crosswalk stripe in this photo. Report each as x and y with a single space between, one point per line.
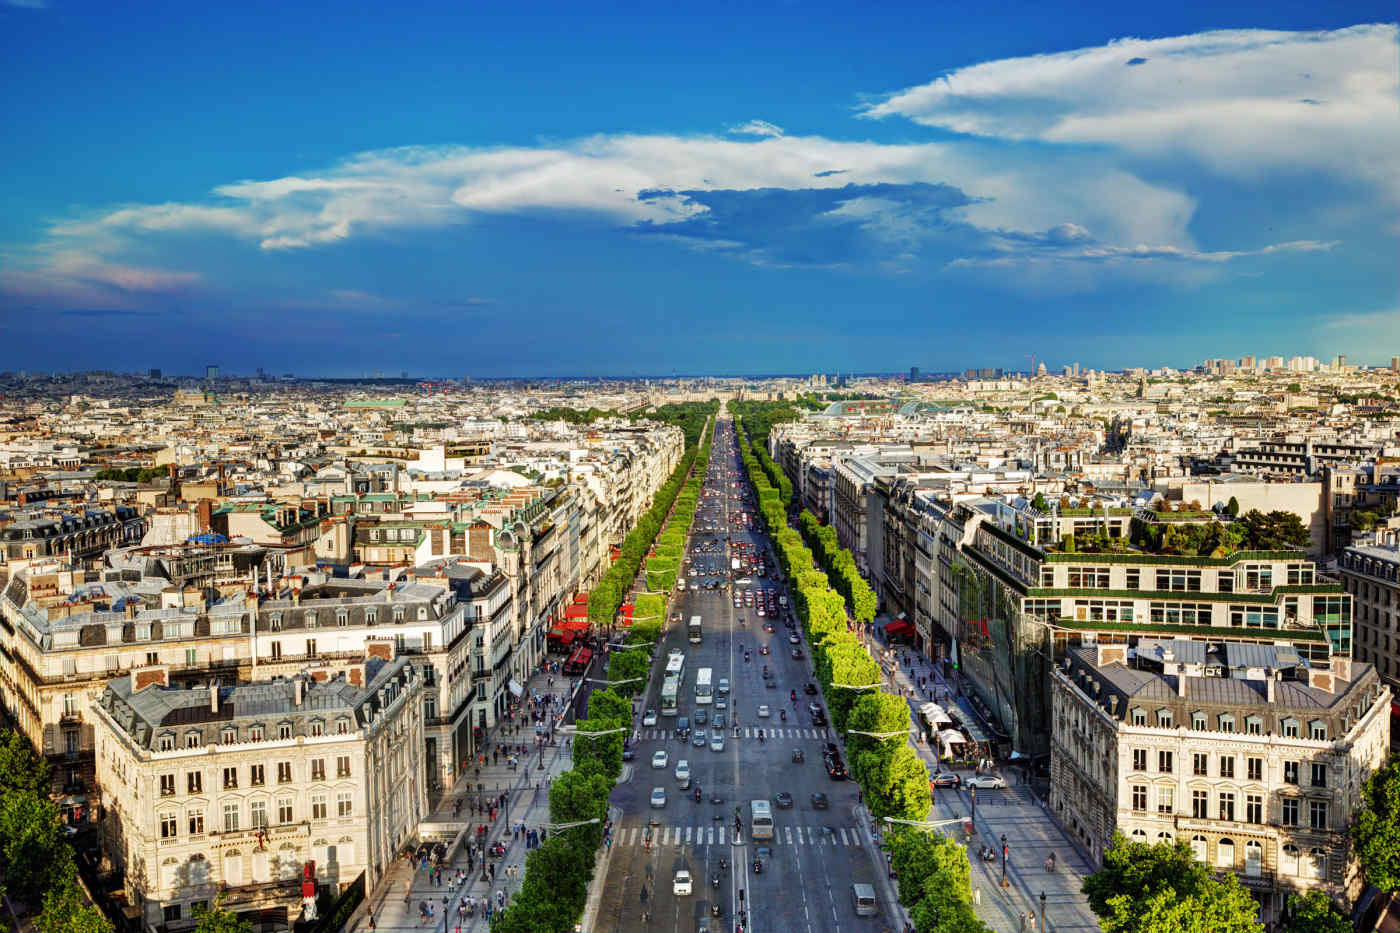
721 835
687 835
842 832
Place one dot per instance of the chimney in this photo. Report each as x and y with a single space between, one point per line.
1181 682
1112 703
214 695
130 608
389 593
296 596
1269 686
1341 668
206 514
250 600
298 687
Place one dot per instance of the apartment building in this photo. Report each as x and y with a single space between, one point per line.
1371 574
81 533
1250 753
239 793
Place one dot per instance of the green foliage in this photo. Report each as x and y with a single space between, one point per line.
217 919
1162 888
21 770
1376 830
1233 507
32 848
132 474
934 881
1295 387
1314 912
1039 503
65 911
1276 531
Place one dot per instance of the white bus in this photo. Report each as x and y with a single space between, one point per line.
762 816
675 664
694 630
704 693
670 696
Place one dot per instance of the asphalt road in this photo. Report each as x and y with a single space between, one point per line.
816 855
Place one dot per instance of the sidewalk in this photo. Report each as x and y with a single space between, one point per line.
1015 813
395 902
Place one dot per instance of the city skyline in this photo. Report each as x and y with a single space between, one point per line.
556 193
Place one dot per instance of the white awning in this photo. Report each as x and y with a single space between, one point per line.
515 688
934 713
952 737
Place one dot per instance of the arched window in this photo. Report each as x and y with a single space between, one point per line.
1139 835
1225 853
1253 859
197 870
1165 836
1317 863
1198 847
233 868
1288 864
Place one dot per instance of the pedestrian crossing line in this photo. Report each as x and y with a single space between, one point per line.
686 836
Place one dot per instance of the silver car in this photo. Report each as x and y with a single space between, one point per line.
716 741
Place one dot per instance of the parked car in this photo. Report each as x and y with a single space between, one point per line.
945 779
987 782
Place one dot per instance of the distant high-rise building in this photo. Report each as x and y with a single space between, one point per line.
1069 370
153 373
913 374
1274 362
1342 361
1395 364
260 372
1076 369
211 372
1246 362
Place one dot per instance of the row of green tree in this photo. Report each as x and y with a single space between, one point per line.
840 567
132 474
759 417
1278 530
554 890
933 871
690 417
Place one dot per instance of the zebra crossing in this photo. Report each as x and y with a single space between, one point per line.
748 732
663 836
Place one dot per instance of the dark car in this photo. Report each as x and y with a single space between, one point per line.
945 779
819 802
831 748
814 709
683 727
834 768
628 754
783 799
700 717
819 718
794 638
797 654
810 689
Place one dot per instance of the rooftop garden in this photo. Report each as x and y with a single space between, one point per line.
1174 536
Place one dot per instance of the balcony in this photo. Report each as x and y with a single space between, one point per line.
301 830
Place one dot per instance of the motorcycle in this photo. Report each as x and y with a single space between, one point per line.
714 882
758 866
746 657
792 695
783 714
1050 862
760 735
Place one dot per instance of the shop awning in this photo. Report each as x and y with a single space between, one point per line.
934 713
974 731
898 627
952 737
515 688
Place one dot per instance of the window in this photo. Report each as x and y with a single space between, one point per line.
255 733
1198 847
371 617
342 766
1290 811
318 769
310 620
70 704
1253 859
1254 725
310 647
1290 772
1179 580
1198 721
1319 774
1200 805
1227 807
191 657
342 617
318 806
167 785
171 912
1289 728
194 819
1139 716
284 811
1133 579
1200 764
167 826
429 708
1166 799
1164 719
192 740
1227 766
255 775
1254 808
1255 768
1227 722
257 813
1139 759
276 650
284 772
1316 864
342 804
1288 864
1139 797
1317 730
342 726
167 743
275 622
230 817
1225 853
1226 581
194 781
1317 814
317 727
1164 762
228 736
284 730
230 779
152 657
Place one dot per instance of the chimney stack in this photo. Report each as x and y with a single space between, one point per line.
1181 682
296 596
299 688
1269 685
214 695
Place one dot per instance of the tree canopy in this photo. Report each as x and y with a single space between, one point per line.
1162 888
1376 831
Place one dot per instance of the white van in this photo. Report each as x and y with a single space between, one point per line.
864 897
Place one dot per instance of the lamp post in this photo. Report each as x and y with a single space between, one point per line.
973 817
1005 852
1042 912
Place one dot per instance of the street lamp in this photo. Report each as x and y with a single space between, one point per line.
612 683
879 735
1005 851
620 646
859 686
559 827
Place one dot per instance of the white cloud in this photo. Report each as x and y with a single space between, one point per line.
1244 102
757 128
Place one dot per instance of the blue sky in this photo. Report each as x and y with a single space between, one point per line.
574 189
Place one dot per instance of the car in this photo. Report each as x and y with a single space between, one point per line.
795 639
682 727
814 709
681 885
783 799
649 718
798 756
945 779
831 748
769 681
716 741
797 654
819 802
683 771
763 649
698 738
986 782
722 688
768 626
721 702
763 711
700 717
810 689
628 755
659 759
658 797
819 718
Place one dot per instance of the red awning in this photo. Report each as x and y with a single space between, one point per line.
575 625
898 627
563 635
576 611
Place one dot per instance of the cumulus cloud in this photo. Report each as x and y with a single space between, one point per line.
1244 102
757 128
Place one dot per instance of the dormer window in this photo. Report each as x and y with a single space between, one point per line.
1289 728
1164 719
310 619
342 618
398 615
1317 730
193 739
1254 725
318 727
1227 722
1139 716
228 736
255 733
166 742
275 622
342 726
1198 721
371 616
284 730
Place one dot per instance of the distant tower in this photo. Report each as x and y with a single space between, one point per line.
211 372
913 374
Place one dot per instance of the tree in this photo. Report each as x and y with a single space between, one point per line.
65 911
1276 531
1314 912
1039 503
21 771
1376 831
218 919
1233 507
32 848
1162 888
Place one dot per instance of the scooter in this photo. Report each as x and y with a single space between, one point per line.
714 882
760 735
783 714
